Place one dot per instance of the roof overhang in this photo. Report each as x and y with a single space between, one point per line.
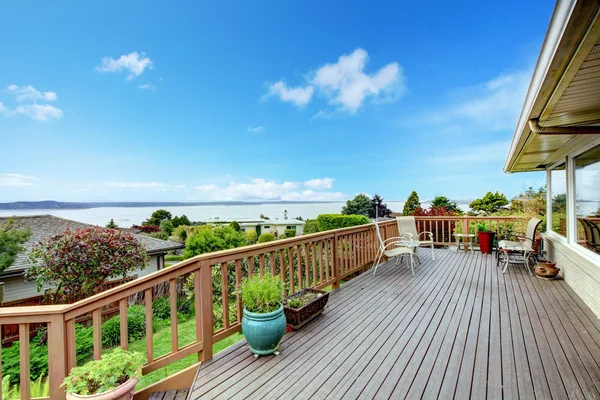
564 90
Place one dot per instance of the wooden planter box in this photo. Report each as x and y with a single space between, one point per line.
298 317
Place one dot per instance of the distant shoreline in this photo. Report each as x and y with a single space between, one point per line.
64 205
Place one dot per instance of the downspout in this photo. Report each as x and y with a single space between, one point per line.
562 130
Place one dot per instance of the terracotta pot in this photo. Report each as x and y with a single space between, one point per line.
546 269
123 392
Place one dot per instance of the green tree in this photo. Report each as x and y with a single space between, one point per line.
490 203
311 226
378 208
443 201
78 262
157 216
285 214
359 205
112 225
251 236
166 226
559 203
11 240
178 221
532 202
209 239
235 225
412 203
266 237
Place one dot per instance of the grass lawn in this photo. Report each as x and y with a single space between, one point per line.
162 345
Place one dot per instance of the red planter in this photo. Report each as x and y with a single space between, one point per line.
486 241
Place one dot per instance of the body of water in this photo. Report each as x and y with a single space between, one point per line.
127 216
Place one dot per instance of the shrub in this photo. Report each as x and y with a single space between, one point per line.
209 239
235 225
175 258
161 308
185 307
311 226
159 235
327 222
262 294
289 233
266 237
251 237
412 203
167 226
111 371
136 327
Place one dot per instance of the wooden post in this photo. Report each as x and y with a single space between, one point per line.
466 229
24 368
198 307
57 356
206 309
336 264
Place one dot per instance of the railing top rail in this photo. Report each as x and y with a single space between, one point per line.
472 218
29 311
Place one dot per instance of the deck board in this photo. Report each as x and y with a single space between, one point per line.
458 328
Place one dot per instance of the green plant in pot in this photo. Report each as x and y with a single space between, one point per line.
263 323
113 377
486 237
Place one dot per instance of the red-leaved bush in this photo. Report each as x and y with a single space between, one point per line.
76 263
442 232
146 228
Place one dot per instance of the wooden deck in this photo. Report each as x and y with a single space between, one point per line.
459 328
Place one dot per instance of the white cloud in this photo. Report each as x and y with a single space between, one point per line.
319 183
16 180
256 129
137 185
3 110
261 189
492 105
346 84
30 93
133 62
147 86
298 95
41 112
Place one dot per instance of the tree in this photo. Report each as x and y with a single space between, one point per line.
157 216
78 262
311 226
359 205
235 225
379 208
285 214
411 204
443 201
11 240
112 225
263 216
531 202
490 203
251 236
209 239
166 226
266 237
178 221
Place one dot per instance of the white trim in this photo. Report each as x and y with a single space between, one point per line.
558 237
586 253
585 148
571 214
549 199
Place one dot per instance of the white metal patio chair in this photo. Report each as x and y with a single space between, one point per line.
392 247
523 248
409 225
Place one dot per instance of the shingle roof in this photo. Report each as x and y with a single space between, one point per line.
44 226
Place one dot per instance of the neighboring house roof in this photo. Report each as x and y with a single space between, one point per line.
45 226
561 112
254 222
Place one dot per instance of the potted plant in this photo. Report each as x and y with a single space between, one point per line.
546 269
301 307
263 323
113 377
486 237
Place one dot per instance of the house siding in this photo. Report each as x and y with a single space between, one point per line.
18 288
582 275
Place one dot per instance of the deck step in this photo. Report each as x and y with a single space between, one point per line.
170 395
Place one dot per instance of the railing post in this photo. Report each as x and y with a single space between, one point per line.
206 309
336 264
57 356
466 229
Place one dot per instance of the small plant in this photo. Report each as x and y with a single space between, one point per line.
262 294
299 301
483 227
295 302
111 371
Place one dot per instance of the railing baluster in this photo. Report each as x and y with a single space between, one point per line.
0 362
326 245
291 264
206 309
335 261
262 264
149 344
71 345
97 333
272 262
24 362
238 282
298 251
174 319
282 268
198 307
123 323
305 248
250 266
225 292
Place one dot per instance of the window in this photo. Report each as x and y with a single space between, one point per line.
558 193
587 198
292 227
267 227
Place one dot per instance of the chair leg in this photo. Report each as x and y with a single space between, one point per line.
432 253
505 262
377 259
412 265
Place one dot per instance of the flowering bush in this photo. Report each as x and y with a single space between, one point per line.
441 233
77 262
146 228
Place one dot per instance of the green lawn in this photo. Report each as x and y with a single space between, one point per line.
162 345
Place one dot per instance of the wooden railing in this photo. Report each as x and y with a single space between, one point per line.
317 260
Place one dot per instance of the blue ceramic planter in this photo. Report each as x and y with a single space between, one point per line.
264 331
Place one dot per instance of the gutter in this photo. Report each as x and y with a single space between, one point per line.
536 128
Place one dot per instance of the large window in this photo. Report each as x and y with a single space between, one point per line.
587 198
558 193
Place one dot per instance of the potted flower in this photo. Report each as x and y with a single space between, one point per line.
486 238
546 269
301 307
263 323
113 377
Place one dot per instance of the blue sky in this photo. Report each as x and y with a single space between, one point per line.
143 101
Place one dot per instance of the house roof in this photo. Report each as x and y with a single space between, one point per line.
563 92
253 222
45 226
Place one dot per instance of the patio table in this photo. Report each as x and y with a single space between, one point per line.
460 240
